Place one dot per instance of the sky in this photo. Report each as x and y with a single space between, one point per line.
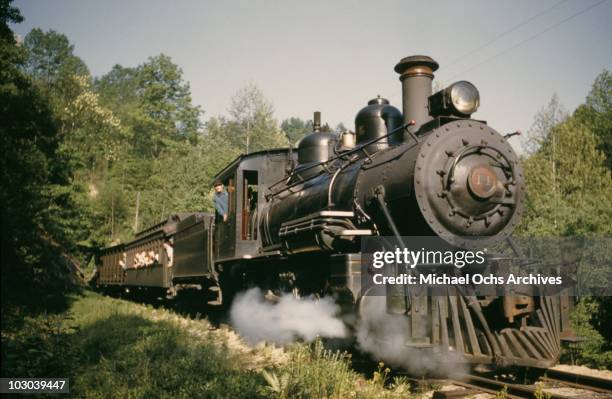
333 56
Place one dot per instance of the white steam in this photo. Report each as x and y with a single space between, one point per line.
384 336
285 321
381 334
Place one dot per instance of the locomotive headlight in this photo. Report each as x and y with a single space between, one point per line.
460 99
465 97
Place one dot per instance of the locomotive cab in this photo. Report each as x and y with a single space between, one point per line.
246 180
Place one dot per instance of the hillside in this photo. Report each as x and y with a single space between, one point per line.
115 348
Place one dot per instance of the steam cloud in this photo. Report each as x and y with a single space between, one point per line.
383 335
285 321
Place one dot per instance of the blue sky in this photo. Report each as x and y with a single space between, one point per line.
334 56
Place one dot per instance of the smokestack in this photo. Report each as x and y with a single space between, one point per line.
416 74
316 121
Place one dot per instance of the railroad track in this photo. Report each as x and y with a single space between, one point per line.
580 381
492 386
600 387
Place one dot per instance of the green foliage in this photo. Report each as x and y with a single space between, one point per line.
218 141
166 99
312 372
601 320
78 151
252 126
545 119
569 190
540 393
8 14
87 148
37 346
596 113
502 394
109 348
35 176
296 129
88 136
154 104
51 56
570 194
91 132
113 348
52 65
595 351
170 157
93 160
315 372
173 175
11 55
128 355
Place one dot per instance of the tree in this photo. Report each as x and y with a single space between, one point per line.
166 99
161 153
154 103
90 135
33 173
546 118
252 121
8 14
296 128
596 113
118 88
218 139
569 190
93 134
569 194
52 65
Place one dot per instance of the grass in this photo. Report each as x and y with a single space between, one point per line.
314 372
110 348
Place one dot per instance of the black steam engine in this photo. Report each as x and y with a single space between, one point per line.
296 221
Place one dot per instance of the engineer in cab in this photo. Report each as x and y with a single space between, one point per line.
220 201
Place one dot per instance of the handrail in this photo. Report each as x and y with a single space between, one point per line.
361 147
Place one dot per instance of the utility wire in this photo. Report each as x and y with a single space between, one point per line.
496 38
528 39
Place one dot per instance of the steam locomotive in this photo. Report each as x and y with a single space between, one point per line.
296 220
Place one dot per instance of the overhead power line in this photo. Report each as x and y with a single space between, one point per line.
528 39
505 33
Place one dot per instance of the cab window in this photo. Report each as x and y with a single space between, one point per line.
230 186
249 205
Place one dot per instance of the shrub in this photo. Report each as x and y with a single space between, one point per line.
593 352
315 372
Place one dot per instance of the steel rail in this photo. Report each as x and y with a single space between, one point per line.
515 391
582 381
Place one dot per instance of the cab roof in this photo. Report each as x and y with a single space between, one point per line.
232 166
